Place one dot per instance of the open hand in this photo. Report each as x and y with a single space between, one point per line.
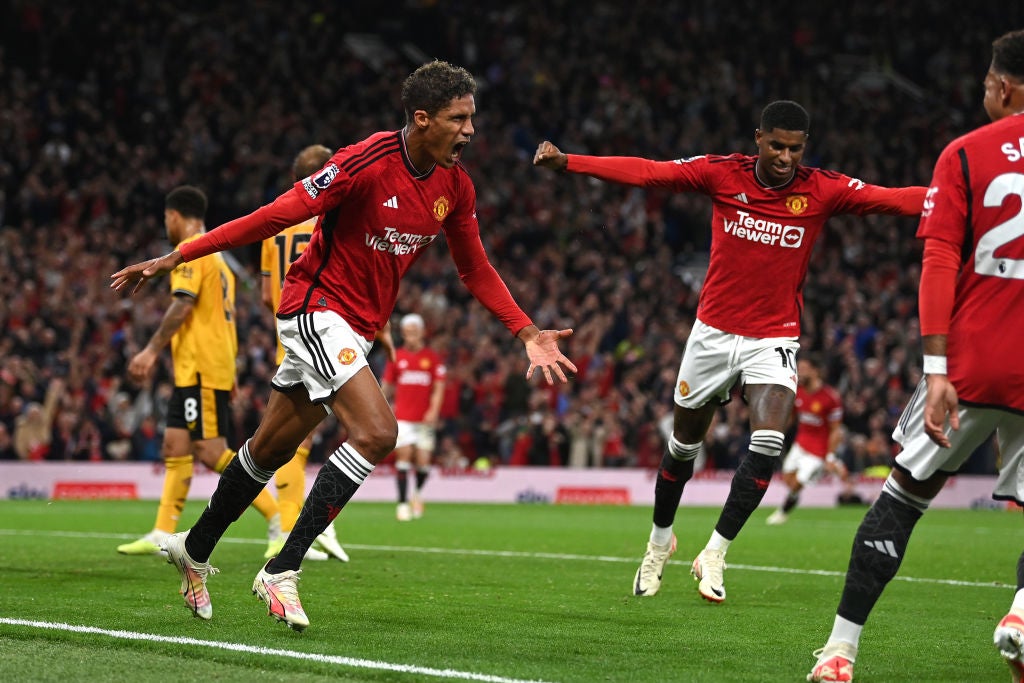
544 353
138 273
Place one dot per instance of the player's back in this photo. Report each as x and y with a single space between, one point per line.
204 348
976 201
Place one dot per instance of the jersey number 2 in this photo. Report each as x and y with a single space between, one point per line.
985 260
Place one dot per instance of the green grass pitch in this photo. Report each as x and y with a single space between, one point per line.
496 593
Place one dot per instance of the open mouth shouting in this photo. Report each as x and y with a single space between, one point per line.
457 150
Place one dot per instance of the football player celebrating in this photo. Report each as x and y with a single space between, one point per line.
768 211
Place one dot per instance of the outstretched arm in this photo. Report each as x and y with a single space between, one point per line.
865 199
486 285
286 210
624 170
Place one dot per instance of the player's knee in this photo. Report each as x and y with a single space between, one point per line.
926 489
269 453
208 452
375 441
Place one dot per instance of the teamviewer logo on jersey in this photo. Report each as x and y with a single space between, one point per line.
792 237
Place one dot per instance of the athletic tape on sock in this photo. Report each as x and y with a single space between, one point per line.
683 451
767 442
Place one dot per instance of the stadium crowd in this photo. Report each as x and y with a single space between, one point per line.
102 113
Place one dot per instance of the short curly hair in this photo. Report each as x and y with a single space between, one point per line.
433 86
1008 54
785 115
187 200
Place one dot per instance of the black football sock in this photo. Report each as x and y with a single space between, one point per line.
421 477
750 482
335 484
878 550
791 500
676 469
402 479
240 483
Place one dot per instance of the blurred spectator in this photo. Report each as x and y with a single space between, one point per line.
449 455
7 451
542 443
32 430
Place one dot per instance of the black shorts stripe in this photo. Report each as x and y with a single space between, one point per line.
967 248
315 347
319 343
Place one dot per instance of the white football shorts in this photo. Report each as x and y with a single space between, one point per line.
713 360
321 353
809 468
418 434
922 457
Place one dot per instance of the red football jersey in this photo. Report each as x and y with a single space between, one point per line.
377 217
815 413
414 374
976 202
377 211
761 237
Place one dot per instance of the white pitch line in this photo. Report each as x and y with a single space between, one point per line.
530 555
241 647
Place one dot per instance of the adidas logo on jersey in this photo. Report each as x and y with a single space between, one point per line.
391 203
742 196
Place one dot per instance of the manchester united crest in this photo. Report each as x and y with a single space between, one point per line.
684 389
796 203
441 208
346 356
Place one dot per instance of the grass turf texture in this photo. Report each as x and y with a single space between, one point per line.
499 593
